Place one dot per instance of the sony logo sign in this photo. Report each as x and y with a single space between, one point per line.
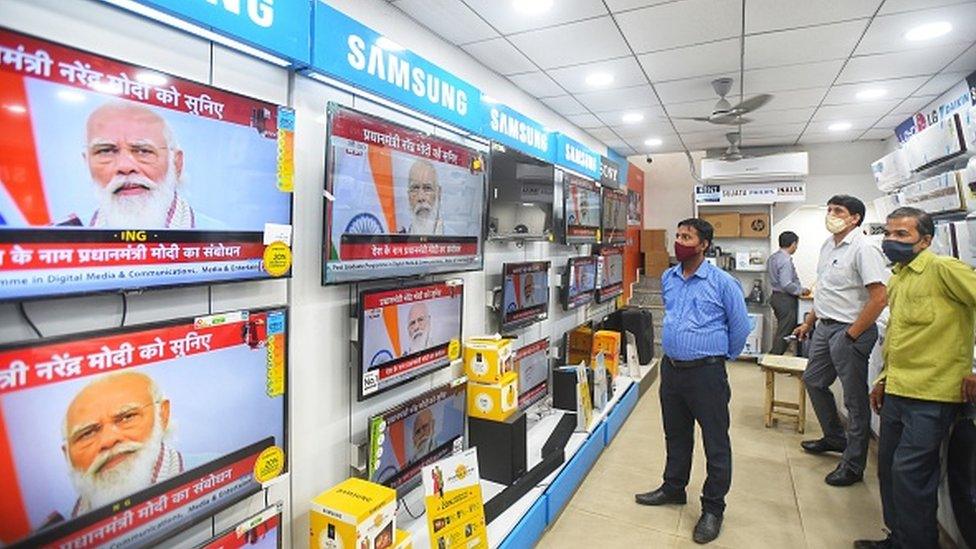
260 12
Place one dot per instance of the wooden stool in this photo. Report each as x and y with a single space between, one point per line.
793 367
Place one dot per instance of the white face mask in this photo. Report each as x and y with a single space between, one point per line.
835 224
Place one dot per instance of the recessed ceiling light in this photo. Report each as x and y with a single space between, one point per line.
599 79
16 109
871 94
632 117
654 142
387 44
151 78
532 7
70 96
928 31
839 126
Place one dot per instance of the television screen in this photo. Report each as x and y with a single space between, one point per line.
614 216
610 273
525 294
399 202
532 365
581 202
262 531
408 332
521 190
580 281
114 177
128 436
418 432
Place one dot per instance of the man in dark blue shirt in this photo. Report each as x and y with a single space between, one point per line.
705 322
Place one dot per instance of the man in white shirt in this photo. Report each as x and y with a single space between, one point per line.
851 277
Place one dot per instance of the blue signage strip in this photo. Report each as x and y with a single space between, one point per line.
352 52
279 27
624 167
578 157
513 129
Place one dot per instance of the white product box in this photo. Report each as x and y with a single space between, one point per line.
941 193
891 170
754 341
937 143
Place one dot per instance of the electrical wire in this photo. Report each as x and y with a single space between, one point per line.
23 314
125 309
407 509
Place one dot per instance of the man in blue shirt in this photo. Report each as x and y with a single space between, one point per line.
786 289
705 322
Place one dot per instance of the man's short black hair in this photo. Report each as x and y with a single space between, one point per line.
787 239
703 228
853 205
923 221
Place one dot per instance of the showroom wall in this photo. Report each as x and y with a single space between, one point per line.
324 418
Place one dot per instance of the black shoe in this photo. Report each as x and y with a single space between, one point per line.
660 497
843 476
874 544
821 445
708 527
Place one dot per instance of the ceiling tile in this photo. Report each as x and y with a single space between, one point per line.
626 72
564 105
896 89
811 138
621 5
894 6
857 124
500 56
767 15
603 133
898 65
652 114
876 135
572 44
675 64
887 33
806 45
449 19
616 99
697 126
691 89
537 84
504 17
793 77
781 130
643 130
965 62
875 109
912 105
669 143
941 82
693 108
769 141
681 24
585 120
795 99
891 121
766 116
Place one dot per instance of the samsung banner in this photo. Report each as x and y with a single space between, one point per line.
750 193
513 129
577 157
280 27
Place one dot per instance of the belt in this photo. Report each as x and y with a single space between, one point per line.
707 361
831 321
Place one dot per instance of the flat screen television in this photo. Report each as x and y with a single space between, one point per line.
614 217
610 273
525 294
116 177
579 282
262 531
407 332
399 202
532 365
128 436
418 432
581 210
520 196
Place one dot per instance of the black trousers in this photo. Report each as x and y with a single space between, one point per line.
912 432
697 394
785 307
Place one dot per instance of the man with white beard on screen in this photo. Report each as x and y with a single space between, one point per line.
424 195
418 329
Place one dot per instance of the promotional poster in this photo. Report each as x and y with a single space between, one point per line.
635 208
116 177
262 531
532 365
614 216
581 274
128 436
610 268
398 202
408 332
582 210
416 433
455 508
525 293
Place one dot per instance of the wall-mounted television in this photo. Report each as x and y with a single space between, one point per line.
407 332
532 365
128 436
520 196
399 202
525 294
262 531
581 210
609 273
579 281
614 217
118 177
418 432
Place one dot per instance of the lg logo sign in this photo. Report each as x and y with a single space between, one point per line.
260 12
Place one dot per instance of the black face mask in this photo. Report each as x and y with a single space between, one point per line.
899 252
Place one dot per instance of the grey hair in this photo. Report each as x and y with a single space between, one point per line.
154 393
171 142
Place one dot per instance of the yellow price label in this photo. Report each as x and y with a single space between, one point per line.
270 464
277 259
454 349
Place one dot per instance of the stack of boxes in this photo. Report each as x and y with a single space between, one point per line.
607 343
655 250
489 363
358 514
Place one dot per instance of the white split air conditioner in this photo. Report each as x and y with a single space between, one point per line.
777 167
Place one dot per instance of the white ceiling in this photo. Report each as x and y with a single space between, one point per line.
814 56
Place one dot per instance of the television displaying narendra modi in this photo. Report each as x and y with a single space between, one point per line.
125 437
399 202
114 177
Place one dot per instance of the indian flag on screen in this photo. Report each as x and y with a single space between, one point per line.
365 200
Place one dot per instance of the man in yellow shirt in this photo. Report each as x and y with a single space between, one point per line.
928 374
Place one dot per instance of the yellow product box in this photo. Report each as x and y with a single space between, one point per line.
404 540
488 359
607 342
580 345
494 401
354 514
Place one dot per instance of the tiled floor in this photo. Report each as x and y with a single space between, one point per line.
778 497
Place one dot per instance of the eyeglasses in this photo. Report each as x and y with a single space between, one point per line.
109 153
126 420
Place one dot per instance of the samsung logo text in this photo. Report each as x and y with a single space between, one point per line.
260 12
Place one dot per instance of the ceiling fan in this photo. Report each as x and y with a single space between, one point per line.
726 114
733 153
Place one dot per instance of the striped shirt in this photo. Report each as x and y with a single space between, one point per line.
704 315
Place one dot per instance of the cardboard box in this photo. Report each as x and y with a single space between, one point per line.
655 263
654 240
754 225
404 540
493 401
726 225
355 513
607 342
580 345
487 359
